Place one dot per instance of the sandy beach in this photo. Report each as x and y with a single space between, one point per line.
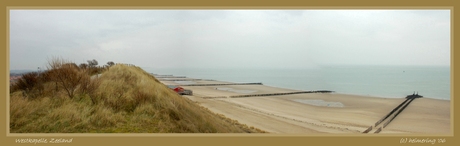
314 113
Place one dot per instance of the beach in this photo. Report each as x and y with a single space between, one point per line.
313 113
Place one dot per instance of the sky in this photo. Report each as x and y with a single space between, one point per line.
230 38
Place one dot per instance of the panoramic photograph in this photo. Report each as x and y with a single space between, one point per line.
278 71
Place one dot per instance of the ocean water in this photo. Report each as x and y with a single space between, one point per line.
378 81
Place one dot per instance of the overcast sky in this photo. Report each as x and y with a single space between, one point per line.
231 38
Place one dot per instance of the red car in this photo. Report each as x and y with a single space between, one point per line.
180 90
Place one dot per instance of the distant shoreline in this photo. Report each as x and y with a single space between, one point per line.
386 82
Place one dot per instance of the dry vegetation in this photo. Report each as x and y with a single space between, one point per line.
124 99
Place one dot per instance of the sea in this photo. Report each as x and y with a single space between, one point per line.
377 81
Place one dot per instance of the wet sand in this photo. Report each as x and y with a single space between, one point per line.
314 113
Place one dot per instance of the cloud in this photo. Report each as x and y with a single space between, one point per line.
231 38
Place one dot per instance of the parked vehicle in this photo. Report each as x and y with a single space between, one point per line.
180 90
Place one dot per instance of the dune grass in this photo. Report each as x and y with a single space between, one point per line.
124 99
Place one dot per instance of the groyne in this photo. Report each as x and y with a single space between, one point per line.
388 118
222 84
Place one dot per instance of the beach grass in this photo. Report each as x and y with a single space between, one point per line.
123 99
